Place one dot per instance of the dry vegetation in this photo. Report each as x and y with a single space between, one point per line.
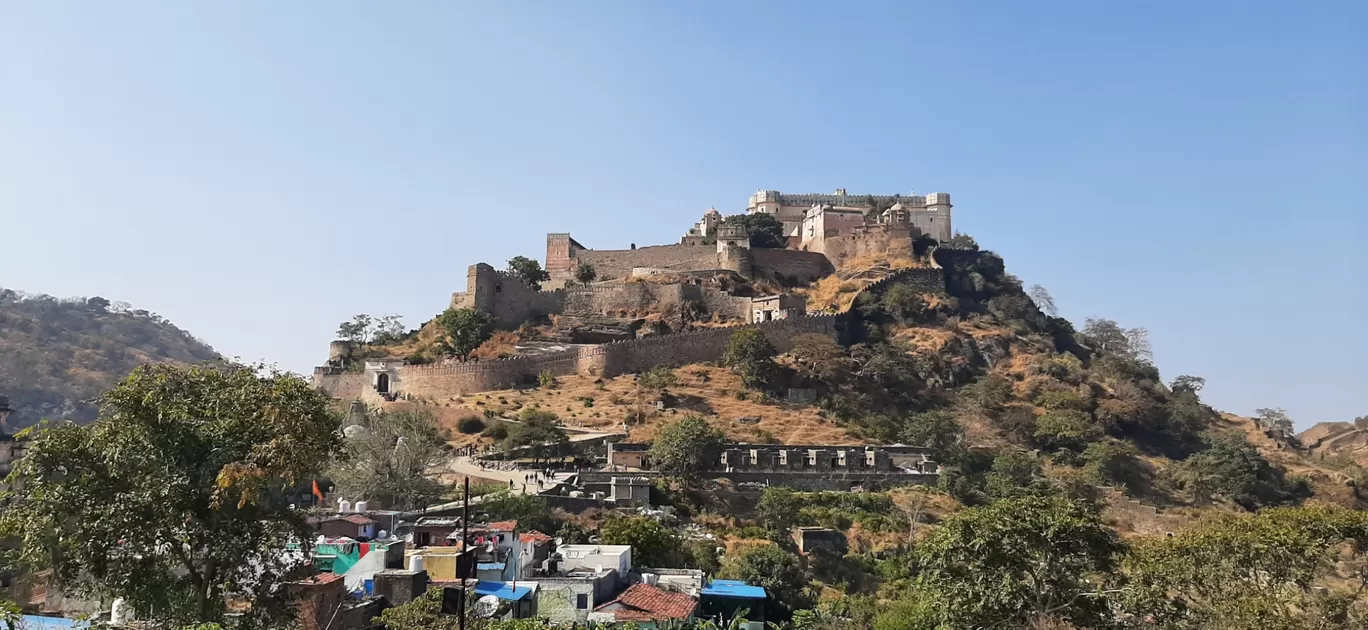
605 405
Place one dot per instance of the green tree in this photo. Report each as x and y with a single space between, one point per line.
1188 383
701 554
358 330
778 509
763 229
962 241
529 510
903 303
388 329
653 545
389 456
529 270
462 330
421 613
1253 572
1015 474
658 379
1116 462
537 428
778 571
1274 419
585 273
686 447
1234 468
1017 559
1066 428
819 357
173 498
750 355
937 430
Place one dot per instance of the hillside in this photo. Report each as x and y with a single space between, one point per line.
57 355
983 373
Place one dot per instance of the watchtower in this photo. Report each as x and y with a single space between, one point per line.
732 235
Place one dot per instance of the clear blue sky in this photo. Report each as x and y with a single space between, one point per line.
259 171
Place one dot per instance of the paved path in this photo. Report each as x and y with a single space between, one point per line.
464 467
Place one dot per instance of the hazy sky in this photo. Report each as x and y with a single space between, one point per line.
259 171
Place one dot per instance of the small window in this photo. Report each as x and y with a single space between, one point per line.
582 601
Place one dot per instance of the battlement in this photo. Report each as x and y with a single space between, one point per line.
602 360
843 199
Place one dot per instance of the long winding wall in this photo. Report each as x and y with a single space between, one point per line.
604 360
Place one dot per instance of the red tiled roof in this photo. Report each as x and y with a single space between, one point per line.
643 602
321 578
534 536
503 526
357 519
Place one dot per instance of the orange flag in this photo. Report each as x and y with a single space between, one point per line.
318 493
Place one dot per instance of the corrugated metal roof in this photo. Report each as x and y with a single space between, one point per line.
733 588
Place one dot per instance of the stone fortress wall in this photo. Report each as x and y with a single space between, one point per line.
511 302
563 255
603 360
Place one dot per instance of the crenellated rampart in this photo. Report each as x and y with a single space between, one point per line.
603 360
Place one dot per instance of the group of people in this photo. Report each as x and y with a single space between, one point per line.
538 479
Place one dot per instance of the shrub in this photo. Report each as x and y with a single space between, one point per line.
470 425
495 431
546 379
1066 428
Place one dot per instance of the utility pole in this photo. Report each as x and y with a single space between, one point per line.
465 548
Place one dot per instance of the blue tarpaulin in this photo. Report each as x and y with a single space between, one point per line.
34 622
733 588
502 590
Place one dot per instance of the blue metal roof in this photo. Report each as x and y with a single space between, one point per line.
502 590
734 588
34 622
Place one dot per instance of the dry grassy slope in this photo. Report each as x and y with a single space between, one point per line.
705 390
58 355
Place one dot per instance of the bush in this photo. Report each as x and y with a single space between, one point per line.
1066 428
470 425
496 431
546 379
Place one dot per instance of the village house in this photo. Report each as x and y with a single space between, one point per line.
646 605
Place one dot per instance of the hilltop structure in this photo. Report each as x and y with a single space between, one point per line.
822 232
647 304
801 213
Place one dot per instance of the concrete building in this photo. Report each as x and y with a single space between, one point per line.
930 212
630 491
707 226
782 306
569 596
574 557
347 526
810 538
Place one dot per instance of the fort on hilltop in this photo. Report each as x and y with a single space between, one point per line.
665 304
802 214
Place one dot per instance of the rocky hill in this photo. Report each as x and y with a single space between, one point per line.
1009 395
57 355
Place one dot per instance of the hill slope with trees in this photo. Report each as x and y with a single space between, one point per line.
57 355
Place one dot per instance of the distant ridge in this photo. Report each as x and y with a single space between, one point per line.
58 354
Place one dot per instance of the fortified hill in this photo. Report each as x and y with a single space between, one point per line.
666 304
